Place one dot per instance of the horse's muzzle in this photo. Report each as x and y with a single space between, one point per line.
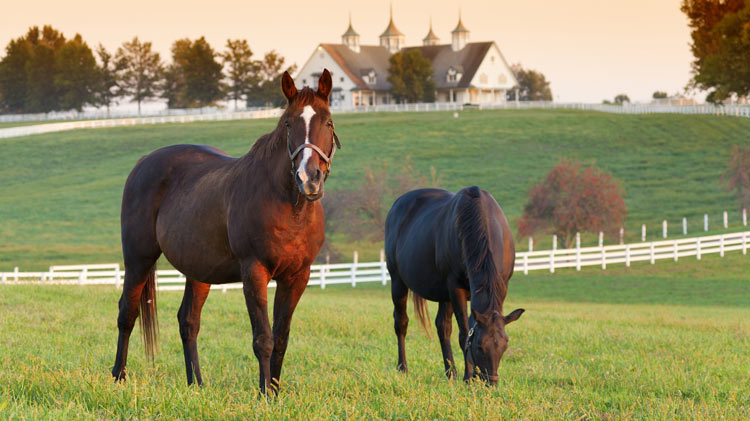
312 189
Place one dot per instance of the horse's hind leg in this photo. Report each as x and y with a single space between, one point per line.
400 294
136 275
444 325
189 317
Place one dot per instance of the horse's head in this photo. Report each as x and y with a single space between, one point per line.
311 140
488 341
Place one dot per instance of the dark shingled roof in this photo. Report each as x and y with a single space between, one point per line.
442 57
369 57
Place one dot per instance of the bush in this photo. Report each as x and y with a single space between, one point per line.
737 175
572 199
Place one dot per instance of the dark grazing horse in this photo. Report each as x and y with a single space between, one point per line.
219 219
451 248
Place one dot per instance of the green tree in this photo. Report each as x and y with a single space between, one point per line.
13 80
267 80
194 77
532 85
42 95
720 33
621 99
410 76
76 74
241 69
660 95
108 86
141 70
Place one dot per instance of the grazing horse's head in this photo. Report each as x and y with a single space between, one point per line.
311 140
488 341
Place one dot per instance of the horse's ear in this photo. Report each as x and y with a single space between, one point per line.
287 85
514 315
325 84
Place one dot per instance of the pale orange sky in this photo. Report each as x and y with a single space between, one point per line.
588 49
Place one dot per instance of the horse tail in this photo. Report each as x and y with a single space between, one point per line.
148 315
420 309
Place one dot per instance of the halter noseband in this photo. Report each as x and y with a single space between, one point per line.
328 159
468 349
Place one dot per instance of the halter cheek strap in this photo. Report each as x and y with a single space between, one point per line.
328 159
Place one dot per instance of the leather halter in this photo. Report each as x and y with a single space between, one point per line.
328 159
468 349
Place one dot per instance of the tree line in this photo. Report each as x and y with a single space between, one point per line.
43 71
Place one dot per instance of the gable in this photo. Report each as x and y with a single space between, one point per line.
493 71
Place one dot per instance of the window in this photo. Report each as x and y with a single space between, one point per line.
483 78
502 79
304 82
453 75
492 59
342 79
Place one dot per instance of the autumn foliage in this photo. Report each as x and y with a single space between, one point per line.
571 199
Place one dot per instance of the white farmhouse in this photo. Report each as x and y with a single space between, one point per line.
464 72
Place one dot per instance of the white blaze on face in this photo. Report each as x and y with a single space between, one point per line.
307 115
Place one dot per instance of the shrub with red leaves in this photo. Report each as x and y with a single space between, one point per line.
573 199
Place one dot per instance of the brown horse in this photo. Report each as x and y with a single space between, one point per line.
451 248
219 219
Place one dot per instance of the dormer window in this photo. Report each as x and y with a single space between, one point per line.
453 75
369 76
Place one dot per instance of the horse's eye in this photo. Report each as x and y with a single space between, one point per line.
286 123
330 123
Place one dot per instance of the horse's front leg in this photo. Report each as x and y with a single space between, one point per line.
458 301
288 294
255 278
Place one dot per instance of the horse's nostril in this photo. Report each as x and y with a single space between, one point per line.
318 174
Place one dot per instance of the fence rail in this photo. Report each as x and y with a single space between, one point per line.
356 272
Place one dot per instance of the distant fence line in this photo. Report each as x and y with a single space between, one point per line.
190 116
357 272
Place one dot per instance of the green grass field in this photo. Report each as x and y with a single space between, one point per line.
669 341
60 193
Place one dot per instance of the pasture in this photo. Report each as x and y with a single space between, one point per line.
656 342
60 193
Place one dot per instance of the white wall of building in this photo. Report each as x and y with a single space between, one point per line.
342 84
493 78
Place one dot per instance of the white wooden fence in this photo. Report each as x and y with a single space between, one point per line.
357 272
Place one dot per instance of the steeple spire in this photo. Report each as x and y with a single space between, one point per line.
460 35
350 38
392 38
431 38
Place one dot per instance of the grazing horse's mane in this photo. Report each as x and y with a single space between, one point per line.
267 144
471 223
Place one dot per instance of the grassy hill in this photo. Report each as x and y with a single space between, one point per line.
60 193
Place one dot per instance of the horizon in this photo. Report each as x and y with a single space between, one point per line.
588 50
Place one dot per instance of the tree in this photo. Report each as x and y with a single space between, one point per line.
108 86
720 32
76 74
570 200
659 95
194 77
141 72
621 99
13 80
410 76
241 73
736 177
532 85
267 80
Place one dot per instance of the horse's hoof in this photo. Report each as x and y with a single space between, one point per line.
119 377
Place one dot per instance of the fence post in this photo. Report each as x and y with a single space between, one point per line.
526 264
627 255
604 258
652 253
744 217
531 244
721 245
354 269
684 226
744 242
698 248
15 273
601 239
382 265
675 250
578 251
664 228
82 276
643 233
622 235
3 277
118 277
323 276
705 222
552 254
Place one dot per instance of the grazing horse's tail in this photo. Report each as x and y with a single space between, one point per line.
420 309
148 315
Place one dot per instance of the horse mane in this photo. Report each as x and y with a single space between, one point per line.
267 144
473 232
